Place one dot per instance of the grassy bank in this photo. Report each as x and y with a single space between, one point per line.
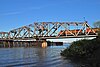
84 49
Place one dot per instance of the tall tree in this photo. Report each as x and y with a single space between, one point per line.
97 24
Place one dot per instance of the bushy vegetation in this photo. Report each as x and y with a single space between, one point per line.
82 48
97 24
88 50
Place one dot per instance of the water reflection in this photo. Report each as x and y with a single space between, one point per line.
35 57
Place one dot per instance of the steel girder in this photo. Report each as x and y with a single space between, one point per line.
4 35
49 29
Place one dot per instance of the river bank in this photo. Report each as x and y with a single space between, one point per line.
88 50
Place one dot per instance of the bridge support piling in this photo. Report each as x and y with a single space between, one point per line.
13 44
9 44
44 43
4 44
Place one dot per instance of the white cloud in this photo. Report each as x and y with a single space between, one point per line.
10 13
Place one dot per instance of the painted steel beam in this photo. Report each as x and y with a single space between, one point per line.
50 29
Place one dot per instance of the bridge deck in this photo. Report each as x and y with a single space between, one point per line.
48 37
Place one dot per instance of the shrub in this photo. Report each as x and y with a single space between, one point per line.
82 48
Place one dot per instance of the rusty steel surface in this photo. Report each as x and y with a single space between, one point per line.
50 30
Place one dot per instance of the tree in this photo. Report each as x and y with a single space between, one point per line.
97 24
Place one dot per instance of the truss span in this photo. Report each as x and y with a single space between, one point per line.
49 30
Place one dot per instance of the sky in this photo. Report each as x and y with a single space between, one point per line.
17 13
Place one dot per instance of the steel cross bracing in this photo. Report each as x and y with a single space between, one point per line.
50 30
4 35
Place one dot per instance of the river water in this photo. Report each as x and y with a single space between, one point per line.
35 57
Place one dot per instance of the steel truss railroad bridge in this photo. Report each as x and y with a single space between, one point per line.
50 30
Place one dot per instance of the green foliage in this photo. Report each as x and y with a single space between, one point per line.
97 24
82 48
